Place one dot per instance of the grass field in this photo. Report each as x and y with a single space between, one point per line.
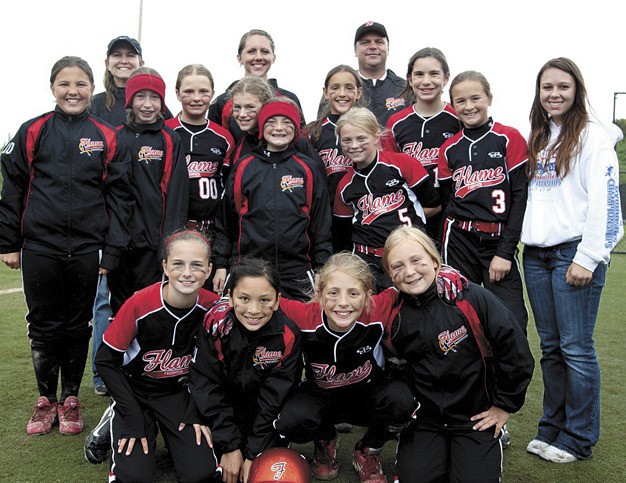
53 457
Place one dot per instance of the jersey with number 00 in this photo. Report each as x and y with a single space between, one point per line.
485 168
390 192
207 153
421 137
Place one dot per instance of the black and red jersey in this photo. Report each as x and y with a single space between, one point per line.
421 137
160 182
239 379
392 191
66 188
329 149
342 360
275 207
207 150
483 169
148 346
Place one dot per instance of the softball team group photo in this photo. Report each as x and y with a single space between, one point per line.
237 280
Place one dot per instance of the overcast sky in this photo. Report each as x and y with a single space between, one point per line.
506 41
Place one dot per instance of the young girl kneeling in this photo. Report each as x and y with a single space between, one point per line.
144 362
247 361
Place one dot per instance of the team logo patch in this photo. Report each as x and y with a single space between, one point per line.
392 182
394 102
161 364
363 350
147 154
494 154
217 151
262 357
468 180
448 341
87 146
288 183
327 377
447 135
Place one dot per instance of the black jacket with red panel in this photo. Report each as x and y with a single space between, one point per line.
160 182
239 379
66 188
275 207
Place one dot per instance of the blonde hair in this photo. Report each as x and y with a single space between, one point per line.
410 233
353 266
362 118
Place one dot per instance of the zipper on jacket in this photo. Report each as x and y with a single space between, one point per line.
276 257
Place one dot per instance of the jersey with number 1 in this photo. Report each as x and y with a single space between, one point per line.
207 153
484 167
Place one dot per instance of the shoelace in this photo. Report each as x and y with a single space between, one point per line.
41 414
71 413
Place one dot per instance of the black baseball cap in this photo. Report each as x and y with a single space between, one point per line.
374 27
123 38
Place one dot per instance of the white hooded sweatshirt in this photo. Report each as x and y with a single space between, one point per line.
585 205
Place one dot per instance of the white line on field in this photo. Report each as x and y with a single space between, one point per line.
11 290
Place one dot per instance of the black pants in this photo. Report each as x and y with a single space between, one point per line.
192 462
471 253
429 451
60 292
311 413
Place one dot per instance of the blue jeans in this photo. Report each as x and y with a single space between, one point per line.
101 315
565 317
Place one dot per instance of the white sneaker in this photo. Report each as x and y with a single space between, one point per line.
557 455
536 447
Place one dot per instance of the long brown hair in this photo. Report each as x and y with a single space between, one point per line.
313 130
568 144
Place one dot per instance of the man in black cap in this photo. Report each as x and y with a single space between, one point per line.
381 86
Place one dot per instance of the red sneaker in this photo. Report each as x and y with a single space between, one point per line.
70 420
325 465
367 464
44 416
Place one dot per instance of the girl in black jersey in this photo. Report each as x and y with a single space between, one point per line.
207 146
247 361
342 91
420 129
481 170
144 361
343 329
381 191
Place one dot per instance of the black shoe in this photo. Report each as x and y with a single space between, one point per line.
98 443
505 437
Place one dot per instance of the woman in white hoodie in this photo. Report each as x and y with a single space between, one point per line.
572 222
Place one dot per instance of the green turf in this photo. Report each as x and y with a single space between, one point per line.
53 458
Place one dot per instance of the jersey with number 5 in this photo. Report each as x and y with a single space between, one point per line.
392 191
484 169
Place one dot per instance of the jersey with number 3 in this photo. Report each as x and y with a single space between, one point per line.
484 167
392 191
